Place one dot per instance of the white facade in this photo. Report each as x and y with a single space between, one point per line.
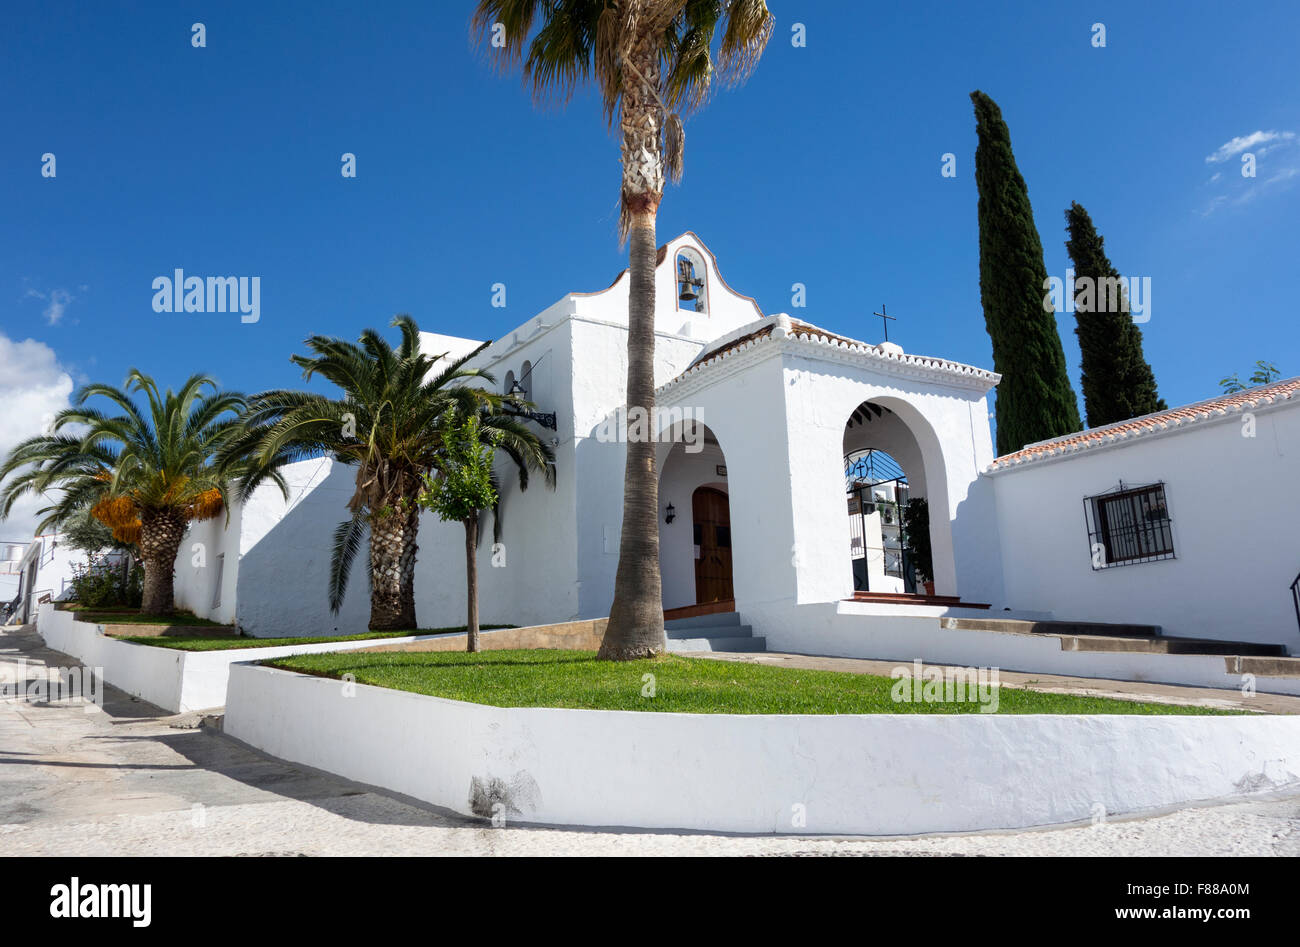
780 404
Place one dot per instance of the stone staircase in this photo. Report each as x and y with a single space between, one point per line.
720 632
1097 636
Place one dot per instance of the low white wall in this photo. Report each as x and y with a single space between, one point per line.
174 680
850 774
881 632
152 674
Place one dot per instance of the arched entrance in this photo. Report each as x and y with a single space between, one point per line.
894 542
878 495
695 552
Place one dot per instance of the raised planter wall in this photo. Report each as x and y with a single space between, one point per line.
181 681
798 774
174 680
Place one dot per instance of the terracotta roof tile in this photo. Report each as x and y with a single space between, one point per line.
1287 390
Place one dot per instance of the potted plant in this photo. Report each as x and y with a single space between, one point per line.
916 538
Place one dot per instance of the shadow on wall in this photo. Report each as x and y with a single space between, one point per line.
283 588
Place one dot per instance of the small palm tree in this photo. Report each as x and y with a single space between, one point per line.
389 424
648 60
465 485
146 474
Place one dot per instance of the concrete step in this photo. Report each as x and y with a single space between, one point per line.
1163 645
1100 636
1264 666
711 631
717 643
1020 626
717 620
907 598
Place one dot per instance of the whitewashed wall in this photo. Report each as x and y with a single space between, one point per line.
1235 506
779 411
208 556
794 774
562 547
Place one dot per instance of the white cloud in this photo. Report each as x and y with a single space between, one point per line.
33 388
1261 141
56 303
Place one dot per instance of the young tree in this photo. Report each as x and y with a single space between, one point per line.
462 488
1265 374
648 60
146 474
1117 382
1034 401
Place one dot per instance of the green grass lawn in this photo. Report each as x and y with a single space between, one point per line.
683 685
227 642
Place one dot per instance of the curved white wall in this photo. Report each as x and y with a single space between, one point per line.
847 774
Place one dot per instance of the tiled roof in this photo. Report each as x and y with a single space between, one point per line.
1174 418
782 327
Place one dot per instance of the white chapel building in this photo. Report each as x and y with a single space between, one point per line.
786 456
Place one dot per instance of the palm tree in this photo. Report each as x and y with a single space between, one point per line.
145 473
648 60
389 424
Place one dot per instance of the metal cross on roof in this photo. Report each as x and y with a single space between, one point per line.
885 319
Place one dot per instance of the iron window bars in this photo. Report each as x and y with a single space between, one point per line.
1129 525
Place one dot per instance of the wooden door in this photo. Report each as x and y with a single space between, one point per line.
712 515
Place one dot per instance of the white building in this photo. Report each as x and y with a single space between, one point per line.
44 567
754 507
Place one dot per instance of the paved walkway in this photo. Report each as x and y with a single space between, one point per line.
133 781
1046 683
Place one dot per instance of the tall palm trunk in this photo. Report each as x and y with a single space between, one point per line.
471 582
160 537
392 567
636 619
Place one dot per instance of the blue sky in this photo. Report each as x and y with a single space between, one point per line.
824 169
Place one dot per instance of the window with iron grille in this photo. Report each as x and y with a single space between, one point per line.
1129 525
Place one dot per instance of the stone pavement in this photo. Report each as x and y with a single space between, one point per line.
1046 683
132 780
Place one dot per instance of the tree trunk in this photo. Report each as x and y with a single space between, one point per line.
160 538
636 618
392 568
471 583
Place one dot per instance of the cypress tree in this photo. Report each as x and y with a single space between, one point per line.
1035 401
1117 382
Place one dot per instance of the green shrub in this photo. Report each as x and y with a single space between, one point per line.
103 582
